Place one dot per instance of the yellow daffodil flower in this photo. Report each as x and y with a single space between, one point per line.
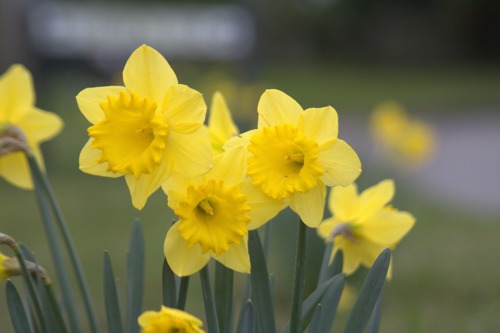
221 126
403 139
363 225
169 320
146 131
3 268
295 153
215 213
21 123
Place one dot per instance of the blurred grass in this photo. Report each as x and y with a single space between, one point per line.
446 271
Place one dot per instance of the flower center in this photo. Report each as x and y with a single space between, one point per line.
214 216
343 229
131 136
284 161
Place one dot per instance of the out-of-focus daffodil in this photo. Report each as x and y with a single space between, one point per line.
22 126
295 153
405 140
169 320
215 213
363 225
146 131
221 126
3 267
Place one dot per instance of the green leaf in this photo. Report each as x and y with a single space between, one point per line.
314 299
16 310
375 320
298 279
337 263
314 327
224 296
111 300
135 277
369 294
328 270
261 291
208 298
247 320
330 302
183 289
169 286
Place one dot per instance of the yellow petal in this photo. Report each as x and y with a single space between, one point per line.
184 108
236 258
14 168
387 226
220 123
39 125
310 205
183 260
276 107
148 73
340 162
326 227
88 162
230 166
343 202
368 252
263 207
175 188
351 260
320 124
89 101
189 155
16 93
375 198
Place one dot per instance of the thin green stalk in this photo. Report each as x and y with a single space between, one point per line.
68 241
298 282
208 298
61 270
55 306
183 289
224 296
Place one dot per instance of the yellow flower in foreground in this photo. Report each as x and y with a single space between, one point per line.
221 126
21 120
295 153
146 131
363 225
169 320
215 213
403 139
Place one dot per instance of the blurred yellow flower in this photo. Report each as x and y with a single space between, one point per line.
215 213
221 126
146 131
405 140
169 320
21 123
3 269
295 153
363 225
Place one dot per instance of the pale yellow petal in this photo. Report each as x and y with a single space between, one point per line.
230 166
89 101
320 124
310 205
148 73
375 198
351 260
175 188
325 228
220 123
189 155
263 207
182 259
276 107
340 162
183 108
388 226
343 202
14 169
368 252
88 162
39 125
236 257
16 93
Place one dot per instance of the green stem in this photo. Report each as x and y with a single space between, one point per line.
208 297
55 306
298 282
224 296
68 241
55 250
183 289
